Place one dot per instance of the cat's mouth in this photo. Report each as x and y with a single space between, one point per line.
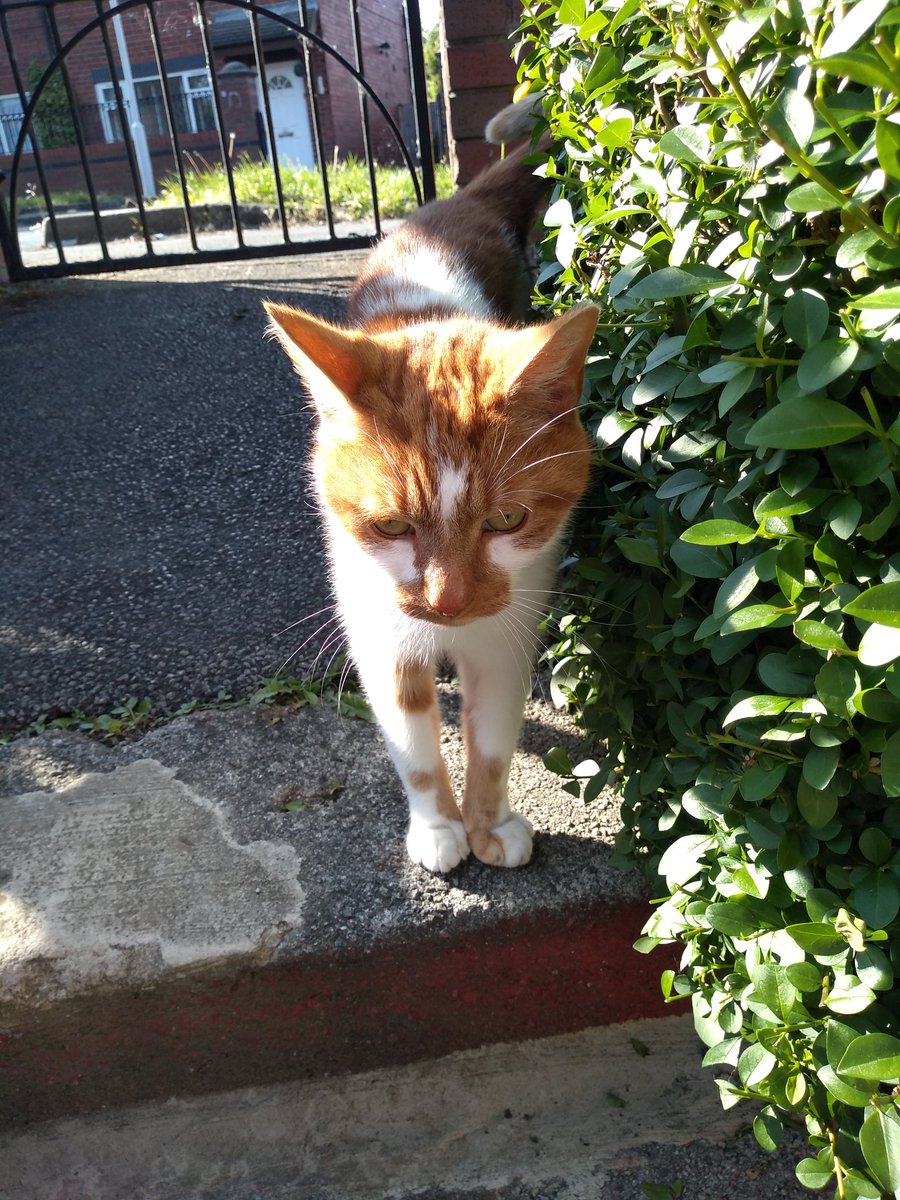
422 612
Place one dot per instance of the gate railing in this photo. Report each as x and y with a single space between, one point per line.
80 117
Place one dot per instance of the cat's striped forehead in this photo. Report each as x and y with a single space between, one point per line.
429 427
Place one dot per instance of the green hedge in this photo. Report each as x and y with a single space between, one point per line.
728 189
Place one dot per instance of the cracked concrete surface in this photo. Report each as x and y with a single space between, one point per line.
132 874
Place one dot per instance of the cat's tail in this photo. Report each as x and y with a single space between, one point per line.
509 188
516 121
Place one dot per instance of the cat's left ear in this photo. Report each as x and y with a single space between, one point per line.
334 362
549 359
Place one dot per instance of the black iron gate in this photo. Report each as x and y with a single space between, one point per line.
49 125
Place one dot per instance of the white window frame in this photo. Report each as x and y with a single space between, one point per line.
180 87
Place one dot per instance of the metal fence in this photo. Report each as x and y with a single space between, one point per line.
176 114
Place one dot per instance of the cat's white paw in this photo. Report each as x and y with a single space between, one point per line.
437 847
515 836
504 845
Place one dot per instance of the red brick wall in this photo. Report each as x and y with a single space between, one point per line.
385 65
479 76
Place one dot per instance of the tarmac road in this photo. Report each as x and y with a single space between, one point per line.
156 531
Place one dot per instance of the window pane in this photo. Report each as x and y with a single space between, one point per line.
199 96
11 117
150 106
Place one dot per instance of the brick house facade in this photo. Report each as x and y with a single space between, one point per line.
296 82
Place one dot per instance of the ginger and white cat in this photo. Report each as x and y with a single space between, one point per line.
448 456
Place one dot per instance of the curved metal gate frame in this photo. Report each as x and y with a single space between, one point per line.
424 188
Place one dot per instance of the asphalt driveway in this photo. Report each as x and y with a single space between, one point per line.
156 532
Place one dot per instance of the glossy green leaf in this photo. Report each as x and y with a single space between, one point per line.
718 533
669 282
768 1129
887 144
806 424
705 562
879 1140
851 1092
813 1174
812 198
880 604
849 996
686 143
825 362
820 635
879 644
836 683
874 968
862 66
816 938
817 805
882 297
853 23
757 706
790 570
790 119
732 918
557 760
874 1056
805 318
877 898
890 765
754 616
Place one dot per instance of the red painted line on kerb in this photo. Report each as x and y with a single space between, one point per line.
321 1014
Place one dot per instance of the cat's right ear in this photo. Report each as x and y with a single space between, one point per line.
335 363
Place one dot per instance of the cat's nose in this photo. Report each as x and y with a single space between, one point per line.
444 594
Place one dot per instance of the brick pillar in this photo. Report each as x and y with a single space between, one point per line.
479 76
239 92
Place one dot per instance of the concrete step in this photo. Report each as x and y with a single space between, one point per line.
171 927
578 1116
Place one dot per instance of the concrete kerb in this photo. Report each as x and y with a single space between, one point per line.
81 227
171 928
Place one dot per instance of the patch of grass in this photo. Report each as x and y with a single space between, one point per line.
304 196
137 714
36 200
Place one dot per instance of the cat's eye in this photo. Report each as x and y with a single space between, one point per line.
393 527
505 520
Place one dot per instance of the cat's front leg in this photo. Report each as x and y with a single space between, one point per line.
495 679
405 703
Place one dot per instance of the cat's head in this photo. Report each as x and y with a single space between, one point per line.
450 451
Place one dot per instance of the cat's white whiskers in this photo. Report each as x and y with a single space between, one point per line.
531 607
337 649
558 417
511 637
497 452
345 672
308 617
527 623
549 458
336 639
335 631
592 600
554 496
